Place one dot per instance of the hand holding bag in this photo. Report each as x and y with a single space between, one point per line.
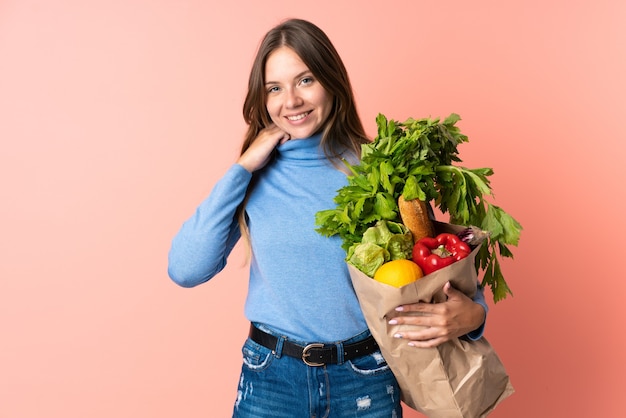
457 379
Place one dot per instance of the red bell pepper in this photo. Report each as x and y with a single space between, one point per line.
435 253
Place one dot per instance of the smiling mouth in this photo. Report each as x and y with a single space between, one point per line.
295 118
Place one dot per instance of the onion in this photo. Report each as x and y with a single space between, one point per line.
473 236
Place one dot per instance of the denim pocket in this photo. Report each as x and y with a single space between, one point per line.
371 364
255 356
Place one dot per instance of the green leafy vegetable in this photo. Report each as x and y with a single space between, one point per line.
417 159
382 242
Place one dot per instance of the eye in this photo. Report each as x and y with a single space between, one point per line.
273 89
307 80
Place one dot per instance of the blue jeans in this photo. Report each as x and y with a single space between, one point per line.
273 385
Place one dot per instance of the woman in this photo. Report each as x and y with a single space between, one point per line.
309 352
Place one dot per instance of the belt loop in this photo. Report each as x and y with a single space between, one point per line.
340 352
278 351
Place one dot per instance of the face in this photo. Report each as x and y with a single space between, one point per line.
296 102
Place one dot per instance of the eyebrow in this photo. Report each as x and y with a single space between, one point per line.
296 77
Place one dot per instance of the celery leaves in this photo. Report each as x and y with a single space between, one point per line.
417 158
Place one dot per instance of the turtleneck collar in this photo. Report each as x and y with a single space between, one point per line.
302 149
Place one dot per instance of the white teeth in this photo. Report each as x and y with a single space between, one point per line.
298 117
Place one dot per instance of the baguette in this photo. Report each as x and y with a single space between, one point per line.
414 215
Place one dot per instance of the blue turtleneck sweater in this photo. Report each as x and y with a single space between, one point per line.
299 282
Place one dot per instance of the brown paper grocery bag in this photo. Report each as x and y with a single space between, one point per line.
457 379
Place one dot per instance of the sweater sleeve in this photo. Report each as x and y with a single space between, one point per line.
202 245
479 298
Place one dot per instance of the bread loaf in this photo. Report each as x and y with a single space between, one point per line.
414 214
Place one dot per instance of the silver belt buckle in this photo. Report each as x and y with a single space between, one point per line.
306 354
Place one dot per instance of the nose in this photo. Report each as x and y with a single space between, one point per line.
292 99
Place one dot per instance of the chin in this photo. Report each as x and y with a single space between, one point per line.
303 133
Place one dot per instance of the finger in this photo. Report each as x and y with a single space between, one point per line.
425 320
434 323
453 293
428 337
420 307
286 137
428 343
450 291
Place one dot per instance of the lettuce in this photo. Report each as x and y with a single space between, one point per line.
382 242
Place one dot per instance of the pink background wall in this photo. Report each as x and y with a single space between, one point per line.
117 117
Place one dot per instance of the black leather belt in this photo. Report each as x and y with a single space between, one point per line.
315 354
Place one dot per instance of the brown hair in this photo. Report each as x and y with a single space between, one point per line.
343 129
